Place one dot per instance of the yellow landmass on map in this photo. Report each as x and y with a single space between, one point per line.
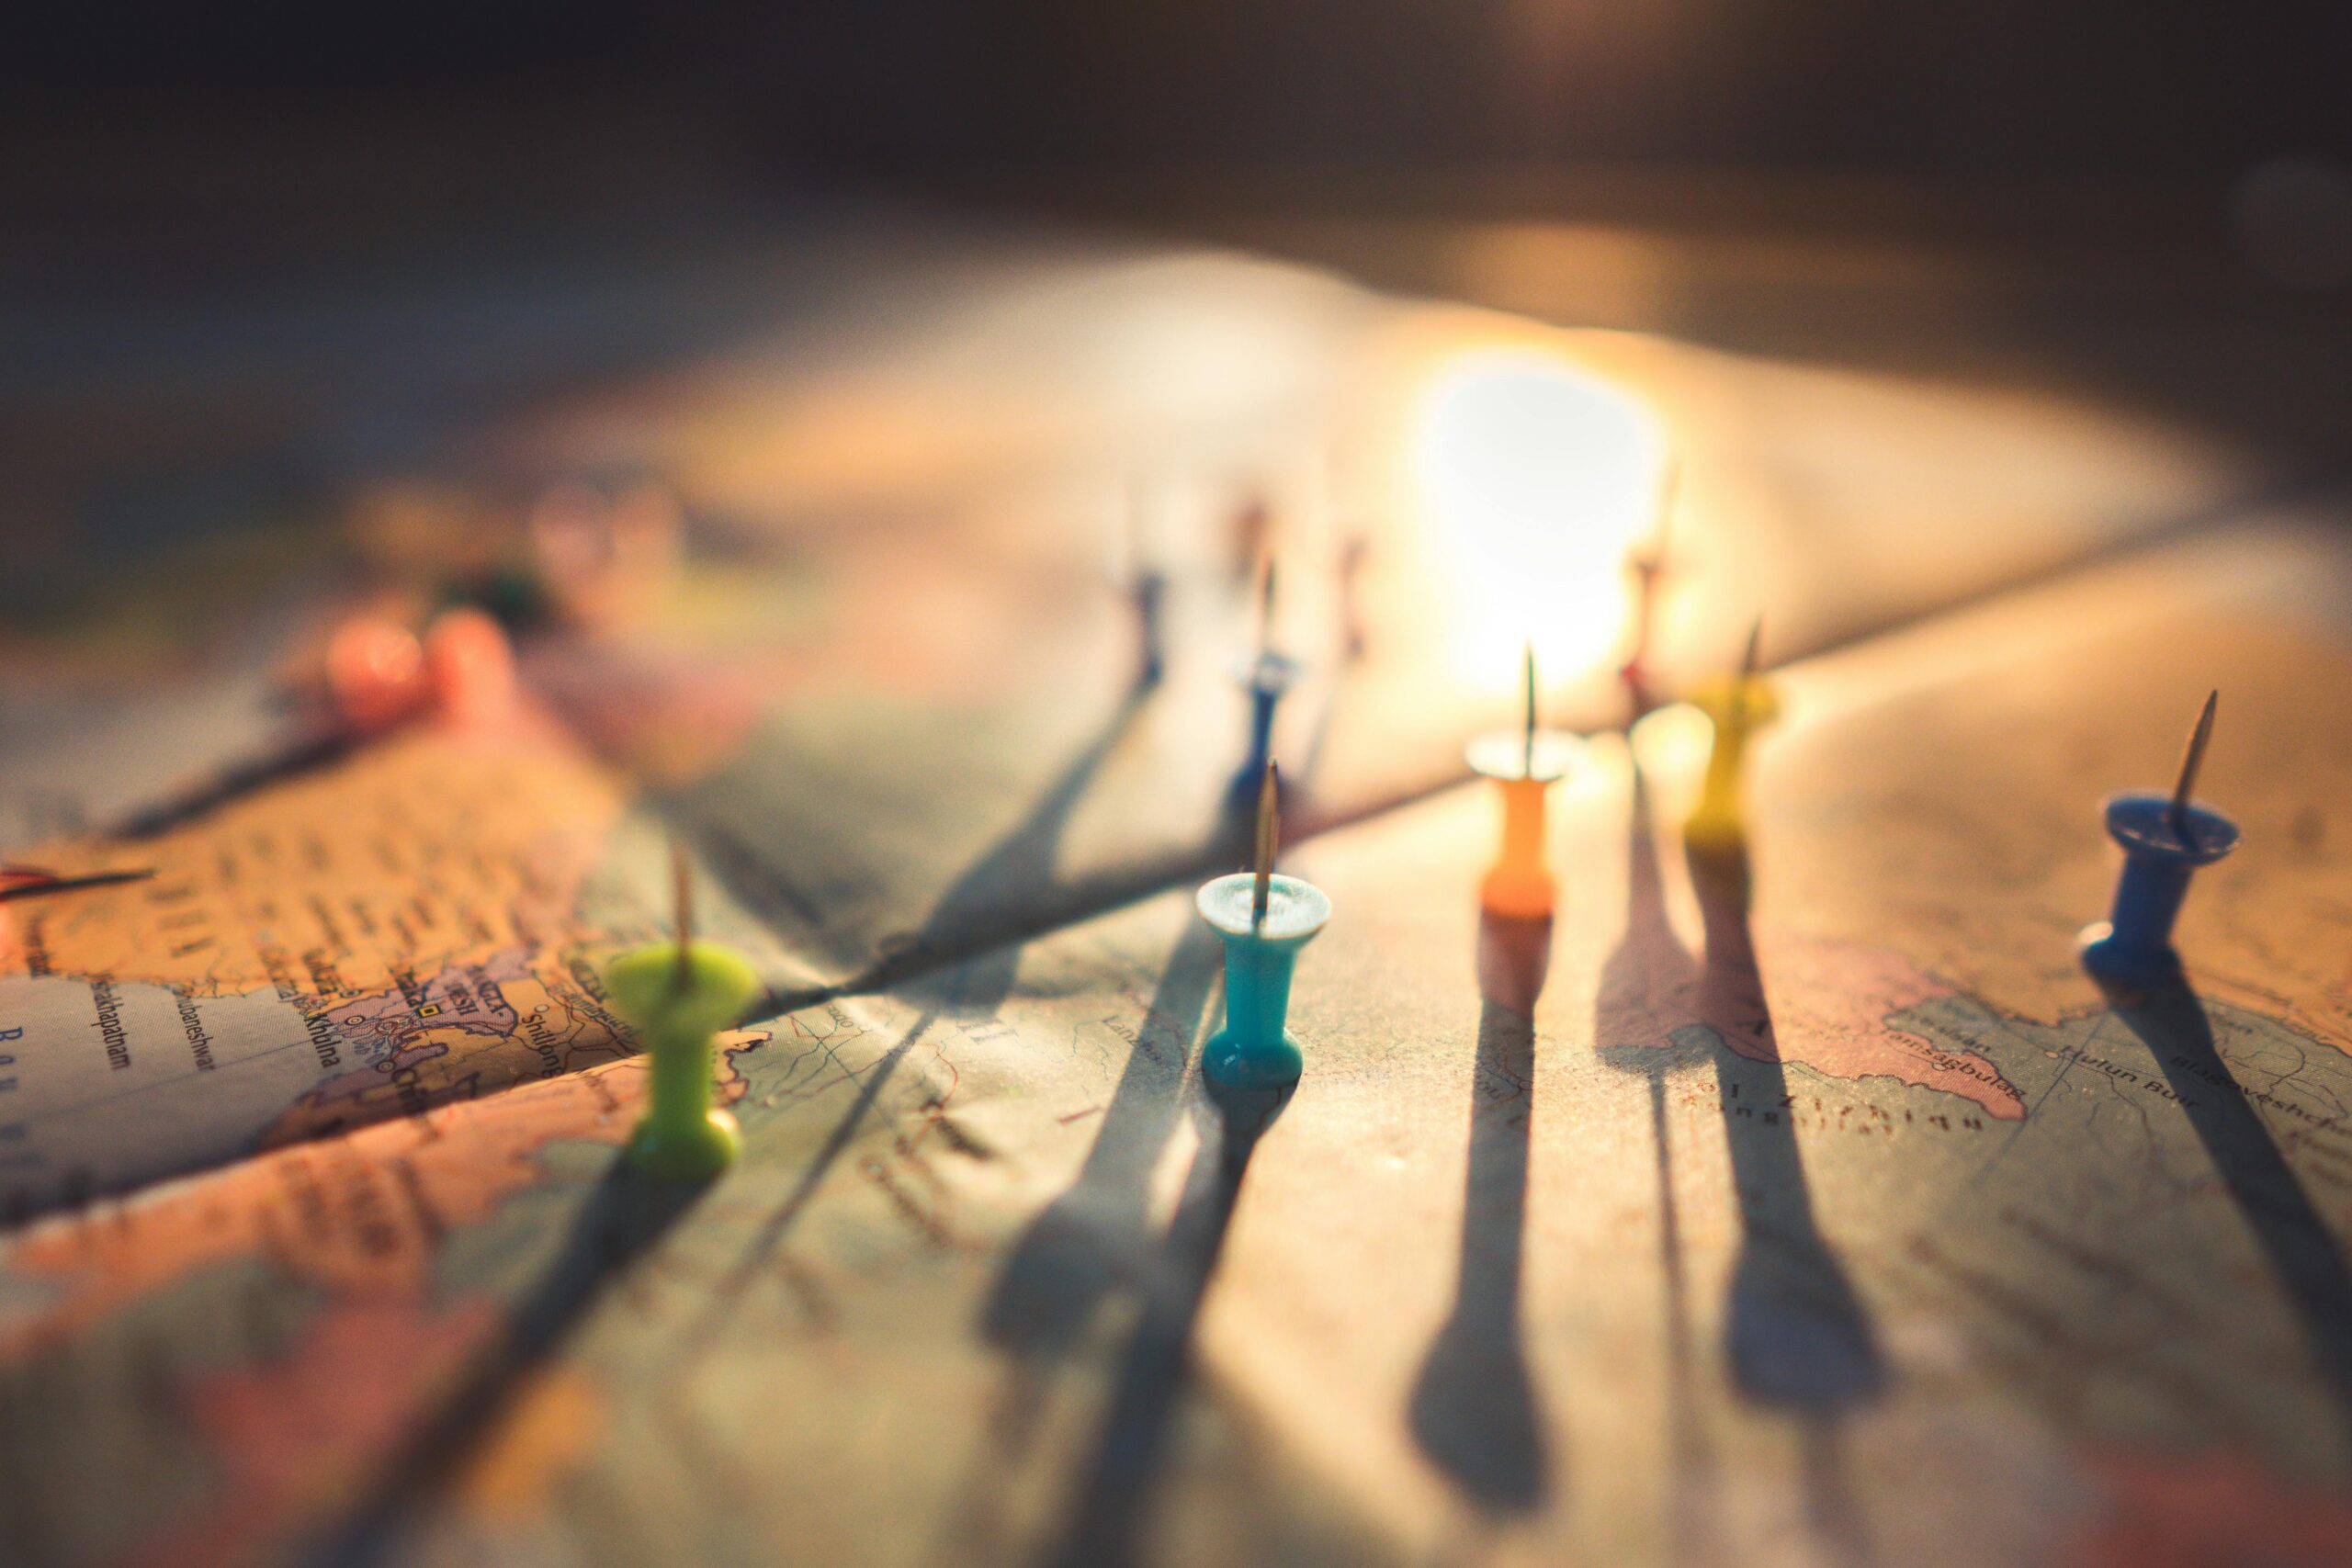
433 847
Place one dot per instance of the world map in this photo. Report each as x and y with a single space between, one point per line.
1806 1205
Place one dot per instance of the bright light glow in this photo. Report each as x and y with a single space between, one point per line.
1535 477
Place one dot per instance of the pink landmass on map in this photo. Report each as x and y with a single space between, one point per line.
1824 1004
2162 1510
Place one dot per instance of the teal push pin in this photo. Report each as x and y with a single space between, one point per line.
1263 920
2164 841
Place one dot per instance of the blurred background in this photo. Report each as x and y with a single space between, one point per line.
253 249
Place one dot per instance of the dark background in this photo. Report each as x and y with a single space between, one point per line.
242 242
2035 88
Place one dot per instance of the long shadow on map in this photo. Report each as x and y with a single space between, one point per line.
1020 861
1474 1408
2172 1023
1798 1338
1106 1523
1094 1238
624 1216
1093 1234
1646 980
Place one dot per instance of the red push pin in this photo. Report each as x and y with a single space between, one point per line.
470 666
379 677
374 674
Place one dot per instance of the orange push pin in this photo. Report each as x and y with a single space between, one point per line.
1524 764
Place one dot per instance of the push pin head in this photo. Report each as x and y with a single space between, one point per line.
1264 918
469 663
376 675
678 995
2164 838
379 674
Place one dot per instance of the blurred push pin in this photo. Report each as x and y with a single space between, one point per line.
1263 920
678 996
374 674
470 666
1524 764
1354 637
1737 705
1252 538
1648 567
1148 591
378 677
379 674
1266 676
2165 839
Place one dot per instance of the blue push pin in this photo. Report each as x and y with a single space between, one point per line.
2164 841
1148 592
1263 920
1266 677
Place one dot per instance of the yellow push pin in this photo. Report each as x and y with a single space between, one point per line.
1523 763
678 996
1738 704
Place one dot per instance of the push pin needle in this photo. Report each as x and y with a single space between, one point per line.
2191 761
24 882
681 894
1269 819
1748 662
1527 672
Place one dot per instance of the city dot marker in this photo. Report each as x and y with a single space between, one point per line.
1263 920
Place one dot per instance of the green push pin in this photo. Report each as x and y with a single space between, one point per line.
678 996
1263 920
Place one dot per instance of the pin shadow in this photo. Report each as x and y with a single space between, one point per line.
1798 1336
1021 859
1106 1523
299 758
1473 1408
1076 1249
1089 1241
2170 1019
1646 980
1004 894
626 1215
